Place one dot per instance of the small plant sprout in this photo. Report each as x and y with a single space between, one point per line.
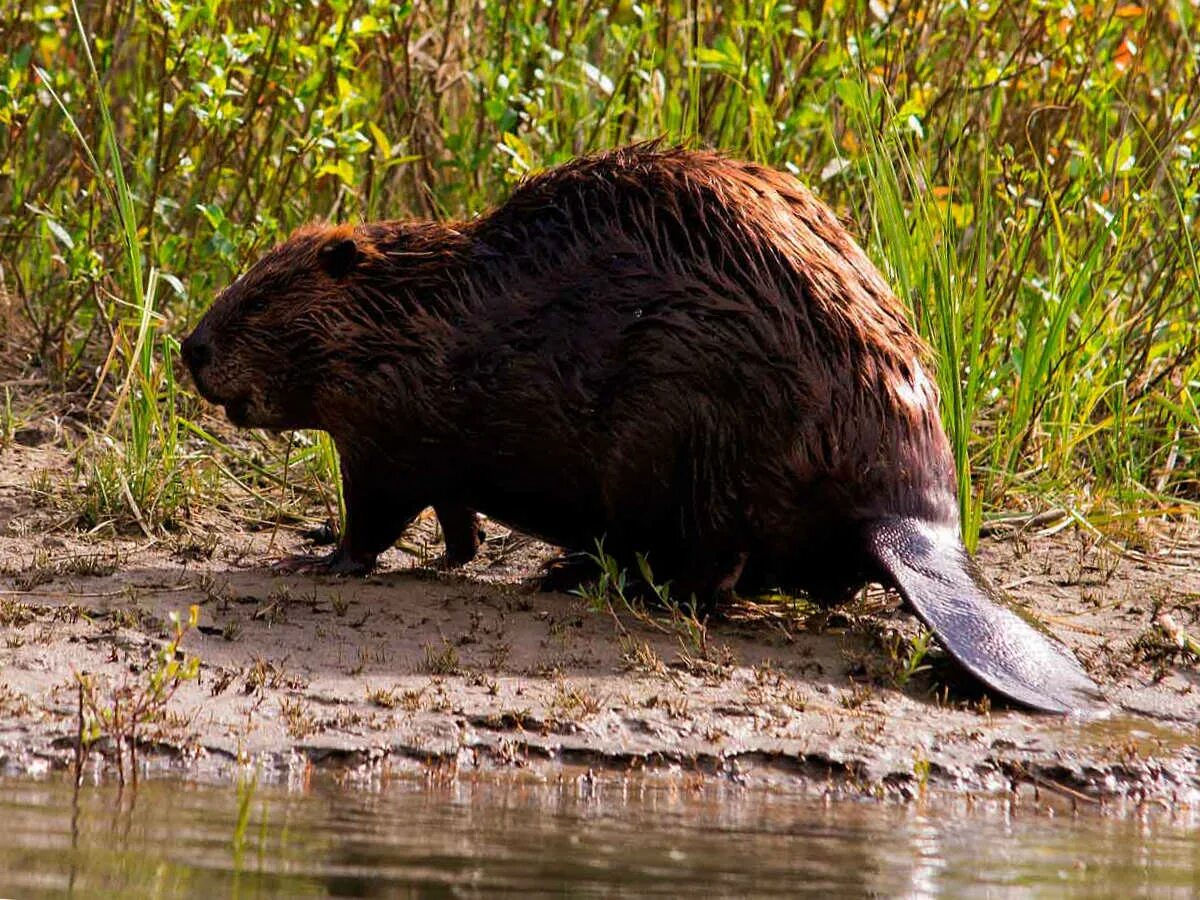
913 662
122 713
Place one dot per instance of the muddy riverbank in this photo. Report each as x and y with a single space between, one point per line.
418 669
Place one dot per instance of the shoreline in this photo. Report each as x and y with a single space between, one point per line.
474 671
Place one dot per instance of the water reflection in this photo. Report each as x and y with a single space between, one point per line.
634 837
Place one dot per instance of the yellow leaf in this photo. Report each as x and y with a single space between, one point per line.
381 140
342 169
1129 11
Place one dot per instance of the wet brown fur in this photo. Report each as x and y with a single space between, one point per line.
683 353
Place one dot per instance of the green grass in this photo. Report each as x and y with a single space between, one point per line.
1027 175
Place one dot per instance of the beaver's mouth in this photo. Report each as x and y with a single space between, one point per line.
240 407
206 390
238 411
244 413
237 406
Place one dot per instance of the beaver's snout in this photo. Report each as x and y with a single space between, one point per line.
196 352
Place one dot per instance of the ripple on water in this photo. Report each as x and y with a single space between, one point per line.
178 838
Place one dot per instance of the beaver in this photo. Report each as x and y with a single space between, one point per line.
678 352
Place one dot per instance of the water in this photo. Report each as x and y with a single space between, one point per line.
401 838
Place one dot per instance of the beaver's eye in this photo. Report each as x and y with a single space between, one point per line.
256 304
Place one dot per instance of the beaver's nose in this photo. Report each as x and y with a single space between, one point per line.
196 351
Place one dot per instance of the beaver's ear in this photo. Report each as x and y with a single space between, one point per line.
338 258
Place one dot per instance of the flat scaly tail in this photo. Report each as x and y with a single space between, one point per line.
979 627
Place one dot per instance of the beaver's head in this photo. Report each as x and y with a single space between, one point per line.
260 350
